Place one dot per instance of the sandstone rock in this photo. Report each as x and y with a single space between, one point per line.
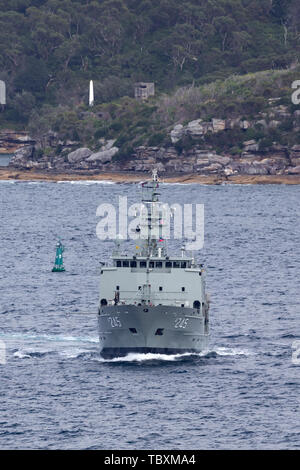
72 143
103 156
295 161
25 152
274 162
213 168
160 167
281 111
174 166
187 168
130 166
255 169
249 156
244 125
228 171
274 124
177 133
231 123
22 156
248 168
149 161
210 158
218 125
248 159
293 170
79 154
251 146
107 145
280 148
195 127
262 123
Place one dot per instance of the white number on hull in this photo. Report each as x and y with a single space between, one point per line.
115 322
181 322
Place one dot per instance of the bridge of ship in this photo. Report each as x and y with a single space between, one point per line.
147 281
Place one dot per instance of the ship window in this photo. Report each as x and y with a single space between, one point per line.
182 305
176 264
183 289
183 265
103 302
160 288
119 264
133 330
196 304
158 264
151 264
159 332
168 264
125 264
140 287
133 264
118 287
143 264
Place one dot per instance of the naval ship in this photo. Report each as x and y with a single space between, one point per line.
152 301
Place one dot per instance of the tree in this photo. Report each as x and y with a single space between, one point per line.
32 77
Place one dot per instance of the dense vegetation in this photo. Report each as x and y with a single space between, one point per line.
51 48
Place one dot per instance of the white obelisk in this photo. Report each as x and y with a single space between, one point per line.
91 97
2 92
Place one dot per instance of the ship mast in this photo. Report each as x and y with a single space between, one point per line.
151 218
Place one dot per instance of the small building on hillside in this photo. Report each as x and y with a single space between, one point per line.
143 90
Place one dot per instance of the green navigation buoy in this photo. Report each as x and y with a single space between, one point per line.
59 262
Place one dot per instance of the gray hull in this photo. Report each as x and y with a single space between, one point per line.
161 329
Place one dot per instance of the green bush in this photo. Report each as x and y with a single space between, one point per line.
286 125
265 144
186 143
235 150
156 139
116 126
125 153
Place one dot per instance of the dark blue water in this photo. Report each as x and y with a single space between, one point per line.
56 392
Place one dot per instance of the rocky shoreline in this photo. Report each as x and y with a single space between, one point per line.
189 155
130 177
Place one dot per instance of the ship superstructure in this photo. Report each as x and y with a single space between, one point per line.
152 301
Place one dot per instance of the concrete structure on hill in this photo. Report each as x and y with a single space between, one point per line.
143 90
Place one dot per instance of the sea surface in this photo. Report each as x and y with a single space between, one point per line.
55 390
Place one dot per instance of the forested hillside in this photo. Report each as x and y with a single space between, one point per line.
51 48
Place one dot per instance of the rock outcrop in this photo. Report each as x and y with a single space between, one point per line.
251 157
79 155
11 141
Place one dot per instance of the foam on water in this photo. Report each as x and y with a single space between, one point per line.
86 182
46 337
142 357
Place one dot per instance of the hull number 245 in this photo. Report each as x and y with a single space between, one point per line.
181 322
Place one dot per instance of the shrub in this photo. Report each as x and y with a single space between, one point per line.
125 153
235 150
185 143
286 125
156 139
